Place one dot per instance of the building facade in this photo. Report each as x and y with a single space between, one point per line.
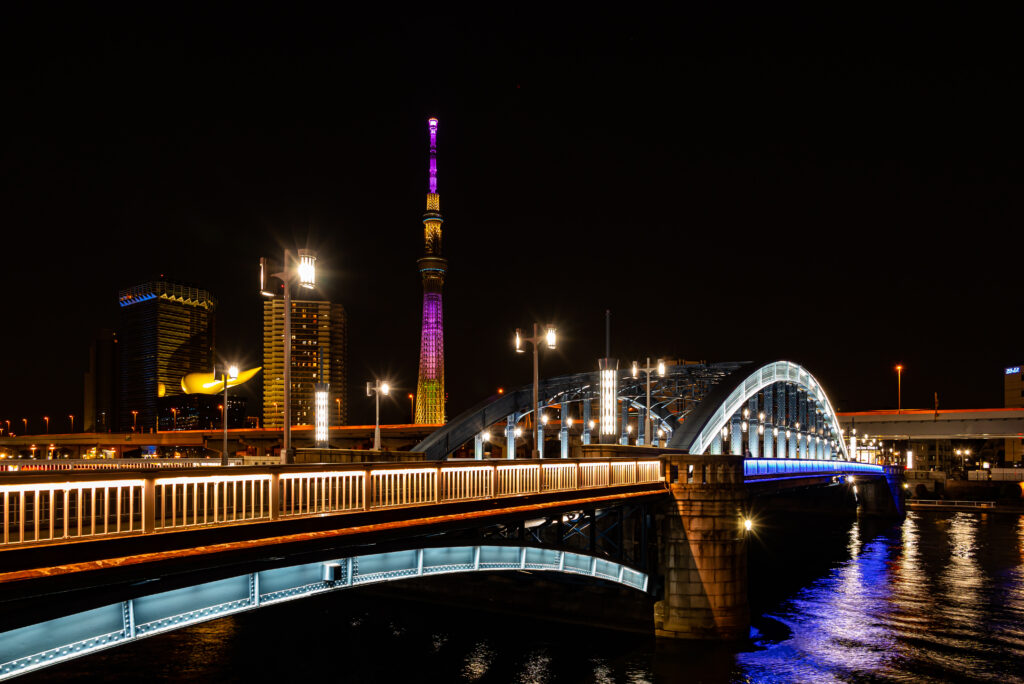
319 338
430 396
99 401
166 332
1013 397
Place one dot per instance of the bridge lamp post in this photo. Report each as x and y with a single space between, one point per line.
47 419
648 368
72 417
174 418
899 389
535 340
304 272
231 374
135 420
375 389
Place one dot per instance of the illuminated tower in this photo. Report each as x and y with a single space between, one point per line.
430 386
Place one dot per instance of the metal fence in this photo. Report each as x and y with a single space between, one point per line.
50 507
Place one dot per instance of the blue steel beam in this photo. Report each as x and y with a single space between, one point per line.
47 643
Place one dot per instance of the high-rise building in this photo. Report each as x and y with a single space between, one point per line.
433 267
318 337
166 332
99 402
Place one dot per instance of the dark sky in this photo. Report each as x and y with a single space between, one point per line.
837 187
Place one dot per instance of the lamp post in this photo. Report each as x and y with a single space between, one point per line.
375 389
25 421
337 400
47 419
536 339
305 273
899 389
135 420
647 415
174 418
231 374
412 407
72 417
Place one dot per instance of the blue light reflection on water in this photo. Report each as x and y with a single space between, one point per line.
937 597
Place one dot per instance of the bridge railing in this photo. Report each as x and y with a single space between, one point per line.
47 507
754 468
25 465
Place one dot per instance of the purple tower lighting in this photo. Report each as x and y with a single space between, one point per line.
433 267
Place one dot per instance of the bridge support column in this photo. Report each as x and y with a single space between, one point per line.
780 419
640 426
704 552
510 437
478 447
736 436
883 497
624 435
753 437
563 438
586 421
769 444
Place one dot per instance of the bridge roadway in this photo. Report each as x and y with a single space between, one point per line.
134 553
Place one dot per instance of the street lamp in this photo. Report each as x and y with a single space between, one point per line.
25 421
135 420
305 274
72 417
47 419
899 389
548 337
375 389
661 373
412 407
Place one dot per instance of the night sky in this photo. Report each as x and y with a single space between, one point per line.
757 182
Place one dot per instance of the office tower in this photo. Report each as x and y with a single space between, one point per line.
166 332
318 336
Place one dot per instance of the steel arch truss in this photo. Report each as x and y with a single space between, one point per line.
673 398
723 407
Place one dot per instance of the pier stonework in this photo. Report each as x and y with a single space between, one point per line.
703 550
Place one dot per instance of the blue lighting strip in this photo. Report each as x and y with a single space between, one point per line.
47 643
128 301
781 469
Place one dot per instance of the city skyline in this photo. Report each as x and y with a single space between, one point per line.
725 205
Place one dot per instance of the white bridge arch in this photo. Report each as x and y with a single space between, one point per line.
701 429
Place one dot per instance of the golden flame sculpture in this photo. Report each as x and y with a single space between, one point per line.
211 383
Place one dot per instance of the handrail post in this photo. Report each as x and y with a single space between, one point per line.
494 481
148 505
366 489
437 484
275 495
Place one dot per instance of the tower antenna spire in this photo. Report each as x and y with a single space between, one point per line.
432 124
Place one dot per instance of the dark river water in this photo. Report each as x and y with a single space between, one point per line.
938 597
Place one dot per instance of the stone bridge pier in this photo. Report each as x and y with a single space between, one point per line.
703 550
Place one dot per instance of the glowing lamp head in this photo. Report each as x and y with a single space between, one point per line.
486 436
568 422
551 337
307 268
519 432
432 124
233 372
385 388
629 429
661 368
519 341
748 524
760 416
591 425
633 370
544 418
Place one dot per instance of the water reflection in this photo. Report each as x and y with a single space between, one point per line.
937 597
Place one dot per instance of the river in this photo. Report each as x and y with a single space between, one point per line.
937 597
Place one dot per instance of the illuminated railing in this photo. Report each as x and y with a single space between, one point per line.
39 509
50 511
767 468
25 465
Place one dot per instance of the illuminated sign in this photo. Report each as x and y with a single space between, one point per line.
1013 370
